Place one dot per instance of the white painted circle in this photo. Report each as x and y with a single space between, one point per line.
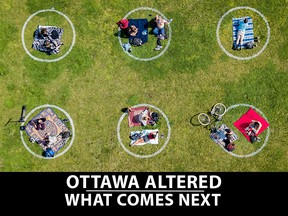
71 123
237 57
169 38
48 60
155 153
266 138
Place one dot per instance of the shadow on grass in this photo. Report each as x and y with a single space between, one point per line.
8 122
21 119
121 34
194 120
124 110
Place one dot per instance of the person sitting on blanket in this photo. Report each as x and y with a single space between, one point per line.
253 128
145 117
132 30
52 46
224 140
146 138
229 135
160 24
48 141
241 33
39 123
43 33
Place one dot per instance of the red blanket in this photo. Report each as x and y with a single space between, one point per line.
246 119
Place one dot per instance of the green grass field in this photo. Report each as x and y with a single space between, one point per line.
97 79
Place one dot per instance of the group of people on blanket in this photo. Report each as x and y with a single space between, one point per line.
158 29
48 39
251 130
49 139
227 141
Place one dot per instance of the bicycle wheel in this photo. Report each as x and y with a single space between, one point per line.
203 119
218 109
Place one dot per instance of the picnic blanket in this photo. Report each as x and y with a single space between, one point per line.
53 126
244 121
249 33
142 25
145 133
54 36
219 135
133 116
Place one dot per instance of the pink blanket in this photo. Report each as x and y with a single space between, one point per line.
133 115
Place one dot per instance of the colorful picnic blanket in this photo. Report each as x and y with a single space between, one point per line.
54 37
54 126
218 136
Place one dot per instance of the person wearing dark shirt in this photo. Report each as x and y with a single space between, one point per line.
39 124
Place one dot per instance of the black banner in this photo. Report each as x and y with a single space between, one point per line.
196 192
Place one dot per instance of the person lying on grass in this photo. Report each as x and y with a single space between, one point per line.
160 24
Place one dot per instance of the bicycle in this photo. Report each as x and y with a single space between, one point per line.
217 112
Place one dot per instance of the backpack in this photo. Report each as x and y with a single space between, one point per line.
55 34
123 23
155 116
65 134
135 41
250 45
49 153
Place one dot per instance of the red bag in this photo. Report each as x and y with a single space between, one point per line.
123 23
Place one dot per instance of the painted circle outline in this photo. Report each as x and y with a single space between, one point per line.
266 138
237 57
72 125
155 153
169 38
48 60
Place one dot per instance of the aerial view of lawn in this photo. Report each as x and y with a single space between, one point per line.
92 87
